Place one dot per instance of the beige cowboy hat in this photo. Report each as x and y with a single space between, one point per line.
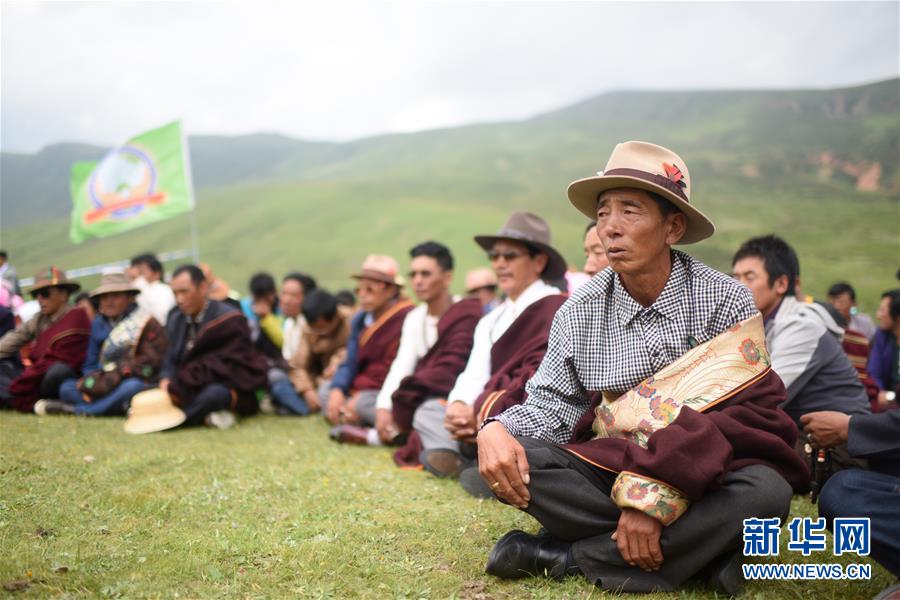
53 277
153 411
481 277
113 282
646 167
529 229
379 267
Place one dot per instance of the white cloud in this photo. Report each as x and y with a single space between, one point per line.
100 72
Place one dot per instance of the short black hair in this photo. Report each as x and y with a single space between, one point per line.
777 256
151 261
306 282
3 254
262 284
197 276
345 298
438 252
319 304
590 226
894 305
842 287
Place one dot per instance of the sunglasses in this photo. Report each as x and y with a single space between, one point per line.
42 293
507 255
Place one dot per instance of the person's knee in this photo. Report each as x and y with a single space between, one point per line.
133 385
768 492
837 496
276 375
428 417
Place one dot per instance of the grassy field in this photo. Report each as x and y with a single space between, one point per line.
268 509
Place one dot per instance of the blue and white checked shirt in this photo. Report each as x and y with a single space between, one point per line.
603 340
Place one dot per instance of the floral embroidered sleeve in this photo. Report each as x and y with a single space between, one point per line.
653 498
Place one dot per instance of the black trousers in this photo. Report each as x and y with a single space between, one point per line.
570 498
215 396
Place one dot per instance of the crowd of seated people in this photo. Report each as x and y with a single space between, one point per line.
538 387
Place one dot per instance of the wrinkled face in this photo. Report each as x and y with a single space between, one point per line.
751 271
883 314
594 255
633 231
375 295
190 298
51 299
428 280
291 299
842 303
515 268
114 304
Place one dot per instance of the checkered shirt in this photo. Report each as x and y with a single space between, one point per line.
603 340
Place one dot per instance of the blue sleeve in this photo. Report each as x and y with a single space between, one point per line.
98 335
345 374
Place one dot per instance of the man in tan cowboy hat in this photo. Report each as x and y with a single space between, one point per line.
481 283
638 455
60 338
506 341
373 344
125 352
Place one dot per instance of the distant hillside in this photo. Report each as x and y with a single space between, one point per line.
849 136
818 167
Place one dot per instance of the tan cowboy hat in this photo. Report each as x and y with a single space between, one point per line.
646 167
153 411
53 277
529 229
380 267
112 282
481 277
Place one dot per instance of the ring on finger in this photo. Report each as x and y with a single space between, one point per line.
495 485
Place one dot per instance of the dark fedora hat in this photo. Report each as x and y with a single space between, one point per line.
529 229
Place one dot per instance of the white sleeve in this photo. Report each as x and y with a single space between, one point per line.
404 363
471 381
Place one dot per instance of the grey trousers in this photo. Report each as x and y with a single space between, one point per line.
365 407
570 498
428 421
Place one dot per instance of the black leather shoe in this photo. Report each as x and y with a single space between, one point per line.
725 574
518 554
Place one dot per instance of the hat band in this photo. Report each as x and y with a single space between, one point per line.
518 235
655 179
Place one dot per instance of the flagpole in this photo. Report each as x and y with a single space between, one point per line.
195 244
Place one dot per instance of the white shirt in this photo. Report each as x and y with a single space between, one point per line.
156 298
418 335
291 329
472 380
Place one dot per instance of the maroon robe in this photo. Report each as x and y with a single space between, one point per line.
222 353
378 345
516 356
695 451
65 341
438 369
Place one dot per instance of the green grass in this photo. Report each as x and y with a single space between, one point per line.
271 508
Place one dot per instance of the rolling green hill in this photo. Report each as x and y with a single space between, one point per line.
820 168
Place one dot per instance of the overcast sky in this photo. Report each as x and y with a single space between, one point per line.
103 72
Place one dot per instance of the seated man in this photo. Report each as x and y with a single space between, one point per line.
842 296
594 255
60 334
374 340
322 347
294 288
508 345
806 354
146 272
884 365
481 283
435 341
125 352
211 367
639 465
858 493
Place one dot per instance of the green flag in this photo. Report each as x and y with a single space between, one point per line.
143 181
